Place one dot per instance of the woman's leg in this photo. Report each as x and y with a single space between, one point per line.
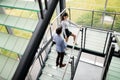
74 37
69 33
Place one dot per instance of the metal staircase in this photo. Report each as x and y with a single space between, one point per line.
52 72
15 15
114 70
34 58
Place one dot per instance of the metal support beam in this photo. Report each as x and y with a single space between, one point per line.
72 68
41 8
108 47
29 54
106 1
46 4
107 64
57 13
62 5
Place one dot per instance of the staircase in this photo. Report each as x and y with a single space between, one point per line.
51 72
114 69
18 20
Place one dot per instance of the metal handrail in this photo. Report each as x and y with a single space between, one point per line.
58 16
71 64
94 10
108 61
77 61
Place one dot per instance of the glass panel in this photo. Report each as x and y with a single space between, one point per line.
95 40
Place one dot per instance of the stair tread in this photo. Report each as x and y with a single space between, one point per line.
55 72
47 77
20 4
114 69
8 67
112 78
18 22
13 43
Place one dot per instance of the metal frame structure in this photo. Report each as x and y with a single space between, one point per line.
30 52
33 45
108 61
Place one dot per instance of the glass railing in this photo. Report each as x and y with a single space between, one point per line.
46 57
86 38
108 63
95 19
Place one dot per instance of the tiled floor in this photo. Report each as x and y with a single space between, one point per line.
87 72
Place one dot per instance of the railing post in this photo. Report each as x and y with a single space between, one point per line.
92 18
41 8
72 68
84 37
105 43
75 64
113 21
69 13
81 38
108 47
46 4
108 61
62 5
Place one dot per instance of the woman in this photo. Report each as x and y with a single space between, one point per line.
65 24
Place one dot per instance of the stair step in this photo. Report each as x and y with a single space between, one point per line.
18 22
13 70
13 43
112 78
47 77
114 73
8 67
2 61
56 72
20 4
57 67
114 69
116 60
52 64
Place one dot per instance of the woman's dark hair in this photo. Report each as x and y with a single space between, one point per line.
59 30
63 15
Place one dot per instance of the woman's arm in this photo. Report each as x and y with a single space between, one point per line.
73 24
